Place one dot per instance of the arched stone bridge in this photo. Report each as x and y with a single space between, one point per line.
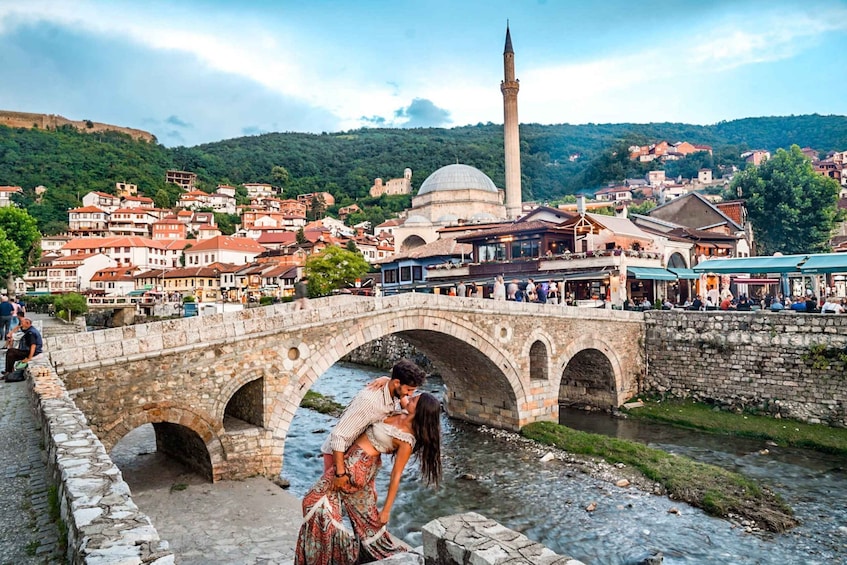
222 390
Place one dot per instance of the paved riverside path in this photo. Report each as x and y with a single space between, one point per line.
27 534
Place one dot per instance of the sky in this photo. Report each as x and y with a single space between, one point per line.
198 71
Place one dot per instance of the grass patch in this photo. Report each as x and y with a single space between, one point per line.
32 548
56 516
176 487
717 491
323 404
703 417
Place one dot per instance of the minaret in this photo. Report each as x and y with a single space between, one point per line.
509 87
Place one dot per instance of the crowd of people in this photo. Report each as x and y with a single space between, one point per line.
543 292
725 301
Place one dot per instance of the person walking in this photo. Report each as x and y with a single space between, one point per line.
461 290
499 290
301 294
7 311
512 290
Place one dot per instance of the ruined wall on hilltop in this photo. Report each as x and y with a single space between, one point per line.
53 121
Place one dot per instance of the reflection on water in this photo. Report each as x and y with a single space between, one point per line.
546 501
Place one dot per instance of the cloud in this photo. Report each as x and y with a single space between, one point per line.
374 121
253 130
175 121
423 113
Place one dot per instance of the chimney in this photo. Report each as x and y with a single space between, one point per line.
580 204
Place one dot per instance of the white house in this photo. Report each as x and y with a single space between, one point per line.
222 249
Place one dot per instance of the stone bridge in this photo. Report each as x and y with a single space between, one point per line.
221 390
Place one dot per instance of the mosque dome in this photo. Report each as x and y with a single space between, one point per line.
483 217
457 177
417 220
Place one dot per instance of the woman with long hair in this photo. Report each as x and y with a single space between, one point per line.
323 538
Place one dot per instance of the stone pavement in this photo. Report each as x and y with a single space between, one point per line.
28 536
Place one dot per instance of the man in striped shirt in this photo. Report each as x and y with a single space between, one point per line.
369 406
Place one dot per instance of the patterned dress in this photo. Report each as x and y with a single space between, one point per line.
324 539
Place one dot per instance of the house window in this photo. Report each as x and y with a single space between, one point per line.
417 273
492 252
405 274
525 249
389 276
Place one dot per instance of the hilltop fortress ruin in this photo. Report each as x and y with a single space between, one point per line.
54 121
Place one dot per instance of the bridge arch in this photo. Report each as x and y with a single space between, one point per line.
589 372
540 349
481 379
181 432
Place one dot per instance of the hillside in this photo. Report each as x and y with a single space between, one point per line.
70 163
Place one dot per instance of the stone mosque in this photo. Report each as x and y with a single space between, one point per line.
463 195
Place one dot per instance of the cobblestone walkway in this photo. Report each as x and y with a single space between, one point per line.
27 534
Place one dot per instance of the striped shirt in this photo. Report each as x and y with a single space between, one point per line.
366 408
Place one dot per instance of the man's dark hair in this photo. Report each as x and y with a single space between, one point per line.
408 373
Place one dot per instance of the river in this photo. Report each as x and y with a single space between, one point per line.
547 501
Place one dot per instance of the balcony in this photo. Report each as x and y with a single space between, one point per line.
601 259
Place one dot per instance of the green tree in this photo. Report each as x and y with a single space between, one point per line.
162 199
72 303
227 222
791 207
10 260
351 246
333 268
20 229
281 175
642 208
300 237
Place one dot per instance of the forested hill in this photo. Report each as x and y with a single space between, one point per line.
556 160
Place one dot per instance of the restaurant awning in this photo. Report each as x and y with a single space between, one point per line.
137 292
650 273
684 273
769 264
748 280
825 263
586 275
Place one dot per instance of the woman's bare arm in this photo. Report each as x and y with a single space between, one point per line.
400 460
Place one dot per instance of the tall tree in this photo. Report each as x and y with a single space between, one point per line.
792 208
20 228
334 268
10 260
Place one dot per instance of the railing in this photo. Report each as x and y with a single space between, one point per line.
119 301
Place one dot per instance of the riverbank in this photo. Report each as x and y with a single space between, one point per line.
715 490
703 417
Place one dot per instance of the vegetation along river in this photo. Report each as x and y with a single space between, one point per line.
504 480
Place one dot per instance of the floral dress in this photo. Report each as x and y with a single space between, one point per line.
323 537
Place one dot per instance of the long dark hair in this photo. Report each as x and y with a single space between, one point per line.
426 425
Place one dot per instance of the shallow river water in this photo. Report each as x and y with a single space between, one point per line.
547 501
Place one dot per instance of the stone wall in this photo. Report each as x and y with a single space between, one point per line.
104 524
786 364
473 538
386 351
52 121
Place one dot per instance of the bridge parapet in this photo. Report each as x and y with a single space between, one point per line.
111 346
109 302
